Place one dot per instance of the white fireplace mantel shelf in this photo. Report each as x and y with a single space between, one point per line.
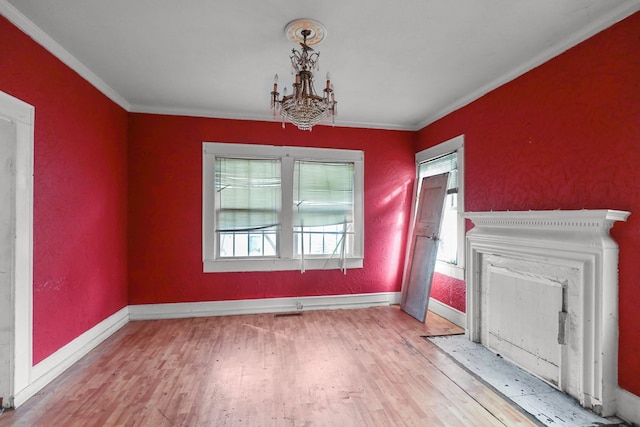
566 259
564 220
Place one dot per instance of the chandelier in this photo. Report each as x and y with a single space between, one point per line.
304 107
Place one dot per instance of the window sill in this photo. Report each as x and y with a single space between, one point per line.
277 264
450 270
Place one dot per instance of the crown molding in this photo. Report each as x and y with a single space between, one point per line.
42 38
607 20
32 30
217 114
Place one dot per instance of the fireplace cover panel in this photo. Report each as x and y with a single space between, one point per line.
522 322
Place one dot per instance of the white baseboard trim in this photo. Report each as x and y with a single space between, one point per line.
451 314
628 406
48 369
257 306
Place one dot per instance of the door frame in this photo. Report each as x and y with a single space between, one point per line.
455 144
22 114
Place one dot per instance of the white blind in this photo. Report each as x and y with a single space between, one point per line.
447 163
247 193
322 193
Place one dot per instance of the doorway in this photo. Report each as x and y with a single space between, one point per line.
16 247
449 285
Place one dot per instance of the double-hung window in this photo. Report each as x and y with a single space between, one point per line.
281 208
447 157
448 244
247 198
323 208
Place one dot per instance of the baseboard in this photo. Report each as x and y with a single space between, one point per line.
51 367
48 369
256 306
451 314
628 406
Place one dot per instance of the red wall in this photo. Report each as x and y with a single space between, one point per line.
165 210
450 291
565 136
79 193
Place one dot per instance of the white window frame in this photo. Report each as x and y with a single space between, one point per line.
286 259
453 145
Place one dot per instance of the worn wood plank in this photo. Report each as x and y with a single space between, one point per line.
341 367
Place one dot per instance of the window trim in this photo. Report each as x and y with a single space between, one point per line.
286 260
452 145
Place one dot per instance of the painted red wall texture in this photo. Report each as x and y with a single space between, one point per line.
450 291
80 188
165 210
565 135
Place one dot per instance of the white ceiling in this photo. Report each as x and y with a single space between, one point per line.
396 65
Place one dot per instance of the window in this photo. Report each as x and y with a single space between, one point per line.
281 208
247 206
447 157
447 247
323 208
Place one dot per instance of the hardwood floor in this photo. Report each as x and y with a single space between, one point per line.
366 367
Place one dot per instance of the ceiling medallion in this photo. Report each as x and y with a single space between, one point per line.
304 107
294 30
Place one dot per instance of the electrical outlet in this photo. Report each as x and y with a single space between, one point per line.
299 305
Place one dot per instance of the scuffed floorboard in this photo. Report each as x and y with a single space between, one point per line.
548 405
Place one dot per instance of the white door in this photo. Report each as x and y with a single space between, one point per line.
7 235
416 284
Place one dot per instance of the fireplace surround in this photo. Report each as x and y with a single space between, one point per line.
542 290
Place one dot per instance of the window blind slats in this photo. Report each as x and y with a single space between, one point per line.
247 193
447 163
323 193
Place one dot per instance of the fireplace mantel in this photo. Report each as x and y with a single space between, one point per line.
570 255
585 221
